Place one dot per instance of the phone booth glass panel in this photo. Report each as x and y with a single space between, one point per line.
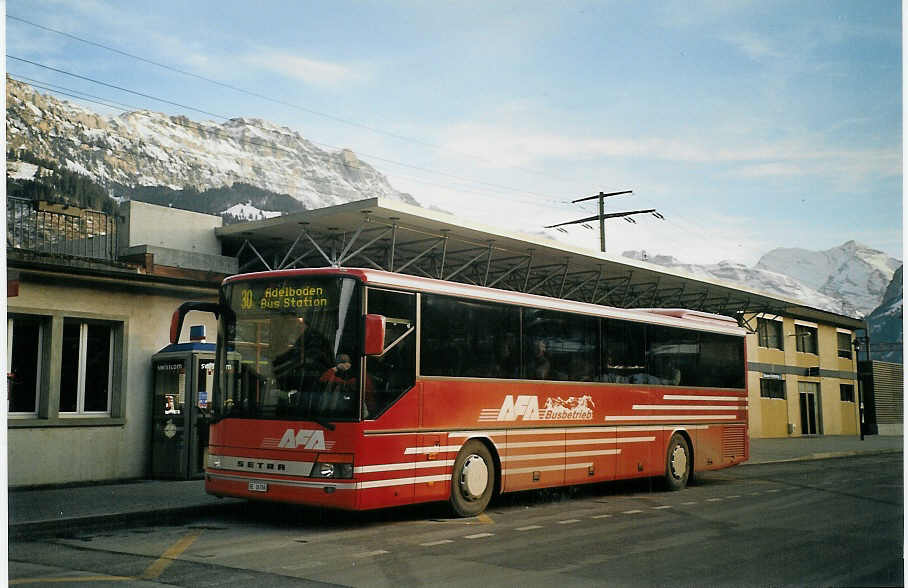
183 377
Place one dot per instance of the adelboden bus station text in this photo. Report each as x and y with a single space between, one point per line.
286 297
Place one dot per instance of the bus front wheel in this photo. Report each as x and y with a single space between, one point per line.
678 463
473 479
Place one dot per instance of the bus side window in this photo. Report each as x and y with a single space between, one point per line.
469 339
388 377
560 346
624 351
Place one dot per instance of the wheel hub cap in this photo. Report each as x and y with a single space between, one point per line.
475 477
679 462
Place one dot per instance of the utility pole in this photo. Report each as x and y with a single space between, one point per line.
602 216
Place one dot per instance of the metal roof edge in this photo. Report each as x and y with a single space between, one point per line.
387 207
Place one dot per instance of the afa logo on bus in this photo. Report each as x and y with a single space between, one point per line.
526 407
305 439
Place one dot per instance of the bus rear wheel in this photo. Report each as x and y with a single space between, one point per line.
473 479
677 463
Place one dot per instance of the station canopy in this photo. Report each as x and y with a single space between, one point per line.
389 235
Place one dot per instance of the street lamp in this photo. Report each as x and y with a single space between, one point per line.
857 358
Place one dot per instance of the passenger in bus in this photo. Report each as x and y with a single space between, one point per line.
580 369
541 365
506 364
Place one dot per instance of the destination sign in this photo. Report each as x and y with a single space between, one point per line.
284 298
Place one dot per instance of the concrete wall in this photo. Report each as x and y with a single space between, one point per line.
160 226
43 454
178 258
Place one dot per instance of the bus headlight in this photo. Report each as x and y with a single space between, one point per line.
333 470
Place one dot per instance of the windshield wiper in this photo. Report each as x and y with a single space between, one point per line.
323 422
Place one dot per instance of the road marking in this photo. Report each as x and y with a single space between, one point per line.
733 496
312 563
774 490
632 512
151 572
528 528
568 521
478 535
713 500
434 543
692 502
371 553
663 507
485 519
602 516
73 579
173 552
755 493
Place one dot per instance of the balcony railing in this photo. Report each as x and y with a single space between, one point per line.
60 231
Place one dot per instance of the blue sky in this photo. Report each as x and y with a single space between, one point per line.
748 125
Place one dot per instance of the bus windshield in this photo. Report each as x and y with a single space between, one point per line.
289 348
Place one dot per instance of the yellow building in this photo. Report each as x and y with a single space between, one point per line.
802 378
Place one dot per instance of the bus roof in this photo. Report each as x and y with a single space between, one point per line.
689 319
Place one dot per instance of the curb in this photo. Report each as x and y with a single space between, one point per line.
826 455
32 530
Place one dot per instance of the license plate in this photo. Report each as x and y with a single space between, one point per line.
258 486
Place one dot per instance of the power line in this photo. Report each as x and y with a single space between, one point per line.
342 120
699 235
626 215
269 98
275 131
115 87
127 107
79 95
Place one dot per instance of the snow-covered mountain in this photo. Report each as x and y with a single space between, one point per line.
851 271
851 287
885 323
247 212
145 148
754 278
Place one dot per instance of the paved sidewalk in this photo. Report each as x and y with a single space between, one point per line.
821 447
61 511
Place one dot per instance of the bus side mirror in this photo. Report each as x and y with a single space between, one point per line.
176 321
374 341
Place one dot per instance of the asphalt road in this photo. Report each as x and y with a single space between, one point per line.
834 522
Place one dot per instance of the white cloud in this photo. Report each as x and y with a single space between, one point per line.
752 45
310 71
505 147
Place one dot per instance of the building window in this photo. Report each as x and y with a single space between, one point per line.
24 350
844 344
847 392
806 338
85 376
64 367
769 334
772 388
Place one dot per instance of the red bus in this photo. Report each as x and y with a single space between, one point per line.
361 389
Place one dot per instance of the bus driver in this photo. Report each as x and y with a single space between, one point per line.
341 386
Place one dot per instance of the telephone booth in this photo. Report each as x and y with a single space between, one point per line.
183 379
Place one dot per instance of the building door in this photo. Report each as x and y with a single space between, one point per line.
808 392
